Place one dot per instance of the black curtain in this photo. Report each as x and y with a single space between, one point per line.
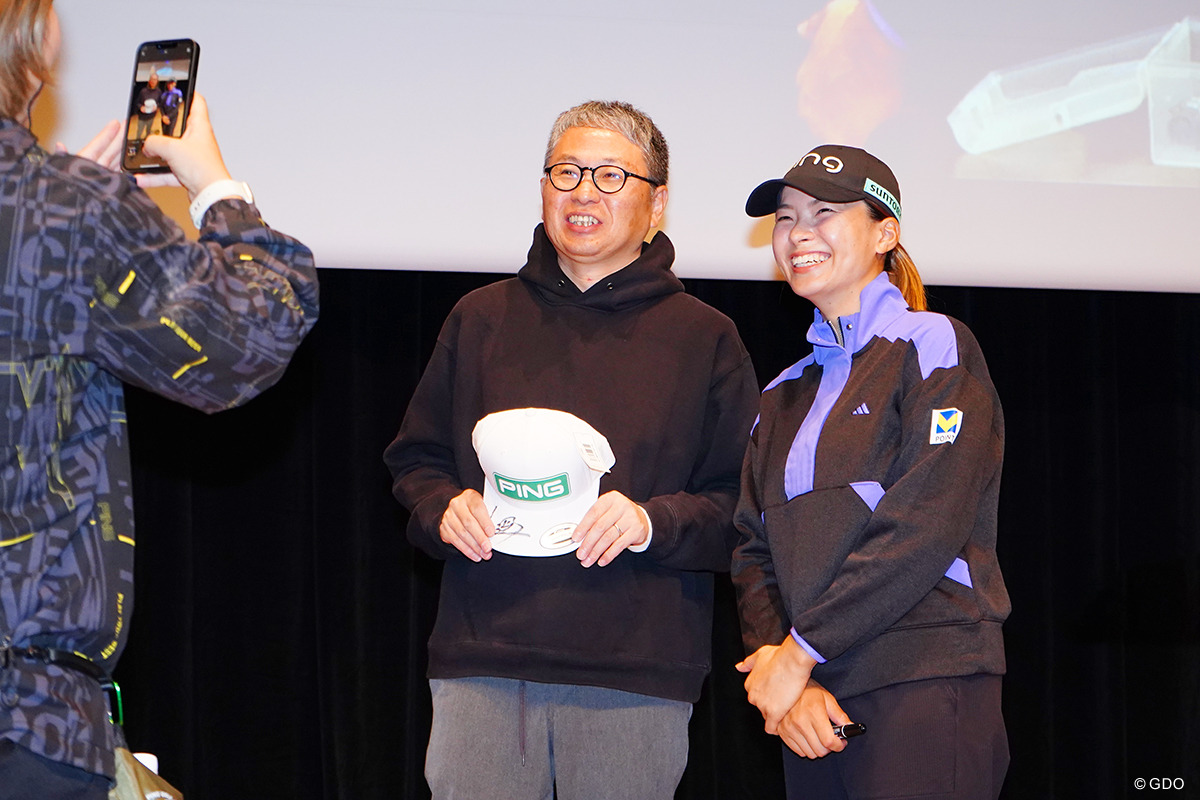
278 644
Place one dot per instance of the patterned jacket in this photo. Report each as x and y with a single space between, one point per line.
97 286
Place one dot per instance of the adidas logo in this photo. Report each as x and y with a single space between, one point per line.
860 411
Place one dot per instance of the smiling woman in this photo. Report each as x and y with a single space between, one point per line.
844 198
828 252
859 524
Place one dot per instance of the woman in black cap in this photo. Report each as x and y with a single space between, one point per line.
870 595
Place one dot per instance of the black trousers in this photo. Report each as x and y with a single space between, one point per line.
942 738
24 775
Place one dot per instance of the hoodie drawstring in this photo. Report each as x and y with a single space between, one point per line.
521 722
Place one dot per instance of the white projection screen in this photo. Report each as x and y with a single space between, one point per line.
1038 143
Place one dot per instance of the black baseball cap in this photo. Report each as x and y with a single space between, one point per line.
834 173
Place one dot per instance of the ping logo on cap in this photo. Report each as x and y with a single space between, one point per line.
535 490
832 164
946 424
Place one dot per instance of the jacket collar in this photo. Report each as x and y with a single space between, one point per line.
879 304
646 278
15 139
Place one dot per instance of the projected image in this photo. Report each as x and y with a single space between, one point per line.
854 53
157 106
1064 107
1034 116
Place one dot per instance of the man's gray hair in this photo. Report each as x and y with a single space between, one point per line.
614 115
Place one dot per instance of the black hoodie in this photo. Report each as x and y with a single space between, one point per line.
666 379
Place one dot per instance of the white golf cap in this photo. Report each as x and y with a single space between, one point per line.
542 472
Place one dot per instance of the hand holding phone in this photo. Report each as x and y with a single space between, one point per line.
849 730
160 98
194 159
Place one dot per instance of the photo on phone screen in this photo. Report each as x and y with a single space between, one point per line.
164 76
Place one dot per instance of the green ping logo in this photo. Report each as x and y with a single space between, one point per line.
535 490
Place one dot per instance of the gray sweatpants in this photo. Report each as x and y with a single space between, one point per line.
506 739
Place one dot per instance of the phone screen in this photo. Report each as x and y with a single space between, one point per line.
164 77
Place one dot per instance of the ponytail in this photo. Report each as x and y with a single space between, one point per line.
899 266
902 272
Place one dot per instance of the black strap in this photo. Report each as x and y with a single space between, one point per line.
60 658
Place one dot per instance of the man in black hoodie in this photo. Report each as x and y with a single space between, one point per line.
578 671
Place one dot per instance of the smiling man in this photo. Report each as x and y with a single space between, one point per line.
588 396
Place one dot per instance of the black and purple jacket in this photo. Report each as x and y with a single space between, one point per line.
867 515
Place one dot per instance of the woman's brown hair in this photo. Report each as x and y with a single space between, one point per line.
899 266
22 53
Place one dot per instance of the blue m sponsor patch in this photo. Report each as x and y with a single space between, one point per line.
946 424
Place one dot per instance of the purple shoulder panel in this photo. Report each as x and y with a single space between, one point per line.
932 334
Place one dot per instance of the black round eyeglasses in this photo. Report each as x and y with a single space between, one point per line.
608 178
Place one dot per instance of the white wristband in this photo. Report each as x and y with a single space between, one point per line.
217 190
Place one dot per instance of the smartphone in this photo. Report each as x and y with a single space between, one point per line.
160 97
850 730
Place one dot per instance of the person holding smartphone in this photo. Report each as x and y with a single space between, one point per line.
867 578
98 286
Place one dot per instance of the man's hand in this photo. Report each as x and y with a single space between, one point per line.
808 728
467 525
778 675
612 524
194 158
